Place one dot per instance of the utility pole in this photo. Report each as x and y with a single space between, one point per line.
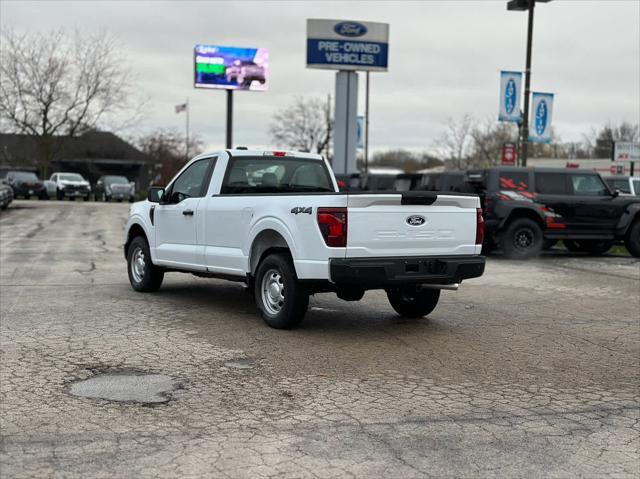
521 5
187 133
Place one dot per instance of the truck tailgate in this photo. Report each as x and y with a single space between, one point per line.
411 224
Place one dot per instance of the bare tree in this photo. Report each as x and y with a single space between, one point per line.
488 138
305 125
57 85
166 148
600 142
455 142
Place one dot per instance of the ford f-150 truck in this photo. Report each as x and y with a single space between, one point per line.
278 222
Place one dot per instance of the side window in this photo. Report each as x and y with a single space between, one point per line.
514 180
190 182
551 183
588 185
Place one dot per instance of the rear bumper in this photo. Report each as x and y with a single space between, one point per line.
372 273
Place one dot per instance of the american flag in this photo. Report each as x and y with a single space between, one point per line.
180 108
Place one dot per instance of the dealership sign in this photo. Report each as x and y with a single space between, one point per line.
540 123
347 45
231 68
510 87
626 151
509 154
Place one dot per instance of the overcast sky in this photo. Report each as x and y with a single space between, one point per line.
444 59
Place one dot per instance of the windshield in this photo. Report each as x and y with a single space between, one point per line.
120 180
275 175
71 177
25 176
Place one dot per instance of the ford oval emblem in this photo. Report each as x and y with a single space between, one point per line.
510 96
416 220
350 29
541 117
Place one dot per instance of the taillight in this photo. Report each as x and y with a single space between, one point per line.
333 226
479 226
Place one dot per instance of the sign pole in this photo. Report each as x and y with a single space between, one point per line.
229 119
527 84
366 126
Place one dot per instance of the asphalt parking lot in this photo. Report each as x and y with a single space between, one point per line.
531 370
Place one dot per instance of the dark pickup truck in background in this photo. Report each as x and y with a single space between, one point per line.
526 209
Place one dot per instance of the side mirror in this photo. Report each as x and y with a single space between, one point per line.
616 193
155 194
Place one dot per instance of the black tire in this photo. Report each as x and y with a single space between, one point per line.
59 195
282 301
87 198
131 199
521 239
412 302
488 246
632 241
143 276
548 244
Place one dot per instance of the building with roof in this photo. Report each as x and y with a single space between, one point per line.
92 154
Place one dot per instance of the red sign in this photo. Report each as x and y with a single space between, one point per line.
613 169
509 154
572 165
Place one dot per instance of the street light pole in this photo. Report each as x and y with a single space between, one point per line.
527 85
521 5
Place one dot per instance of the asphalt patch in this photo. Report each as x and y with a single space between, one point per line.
127 387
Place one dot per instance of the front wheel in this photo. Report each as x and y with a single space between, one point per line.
521 239
59 195
632 241
413 302
282 301
144 276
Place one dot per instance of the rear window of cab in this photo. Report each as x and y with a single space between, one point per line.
264 174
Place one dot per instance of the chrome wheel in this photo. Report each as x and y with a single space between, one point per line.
138 265
272 291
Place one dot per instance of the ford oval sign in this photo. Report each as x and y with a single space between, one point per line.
510 96
416 220
350 29
541 117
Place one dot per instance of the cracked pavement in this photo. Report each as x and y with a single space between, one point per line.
531 370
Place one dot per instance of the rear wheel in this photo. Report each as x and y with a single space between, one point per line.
632 241
282 301
521 239
144 276
413 302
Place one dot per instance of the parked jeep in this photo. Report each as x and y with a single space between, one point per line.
528 208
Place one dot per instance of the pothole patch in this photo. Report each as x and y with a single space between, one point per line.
127 387
241 363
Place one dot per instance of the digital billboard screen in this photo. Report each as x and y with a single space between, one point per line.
231 68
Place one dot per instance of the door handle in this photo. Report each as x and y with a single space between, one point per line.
187 212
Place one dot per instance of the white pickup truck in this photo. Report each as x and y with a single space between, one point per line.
277 221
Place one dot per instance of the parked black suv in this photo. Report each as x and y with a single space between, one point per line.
524 208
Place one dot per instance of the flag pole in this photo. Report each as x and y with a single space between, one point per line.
187 135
